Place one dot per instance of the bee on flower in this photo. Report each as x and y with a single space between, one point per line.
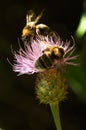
42 55
32 28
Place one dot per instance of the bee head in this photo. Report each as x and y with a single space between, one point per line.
58 52
47 51
27 31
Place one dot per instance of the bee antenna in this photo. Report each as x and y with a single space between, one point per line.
39 16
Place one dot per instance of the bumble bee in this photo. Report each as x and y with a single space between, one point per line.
32 28
49 58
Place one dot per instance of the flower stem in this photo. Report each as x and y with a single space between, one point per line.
55 111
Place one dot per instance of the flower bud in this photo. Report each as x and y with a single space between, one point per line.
51 87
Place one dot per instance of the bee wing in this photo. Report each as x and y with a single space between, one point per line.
30 17
38 17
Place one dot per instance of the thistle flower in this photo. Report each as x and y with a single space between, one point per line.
27 60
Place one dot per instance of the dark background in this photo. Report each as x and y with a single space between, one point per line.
19 108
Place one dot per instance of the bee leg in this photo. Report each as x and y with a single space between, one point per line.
37 31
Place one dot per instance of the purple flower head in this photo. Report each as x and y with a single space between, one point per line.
25 59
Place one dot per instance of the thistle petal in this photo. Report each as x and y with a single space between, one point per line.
24 59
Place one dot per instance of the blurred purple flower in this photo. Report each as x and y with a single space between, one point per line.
24 59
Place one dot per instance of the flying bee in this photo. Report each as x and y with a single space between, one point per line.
32 28
49 58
